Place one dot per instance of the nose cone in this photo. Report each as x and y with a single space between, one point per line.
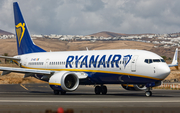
163 71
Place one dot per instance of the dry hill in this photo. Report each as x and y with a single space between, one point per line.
107 34
5 32
9 45
112 34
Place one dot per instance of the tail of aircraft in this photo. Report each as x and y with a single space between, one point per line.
25 44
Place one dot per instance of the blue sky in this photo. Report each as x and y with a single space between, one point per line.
84 17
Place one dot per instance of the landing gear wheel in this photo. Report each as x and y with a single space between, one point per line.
97 90
104 90
63 92
56 92
148 93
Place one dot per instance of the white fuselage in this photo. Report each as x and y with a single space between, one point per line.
131 63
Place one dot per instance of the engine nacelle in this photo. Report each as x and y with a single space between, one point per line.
140 87
134 87
64 80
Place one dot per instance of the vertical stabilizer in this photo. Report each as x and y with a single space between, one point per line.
175 60
25 44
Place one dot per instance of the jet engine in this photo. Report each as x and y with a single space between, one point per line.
64 81
140 87
134 87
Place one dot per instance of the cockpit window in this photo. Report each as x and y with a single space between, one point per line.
156 60
162 60
146 60
149 61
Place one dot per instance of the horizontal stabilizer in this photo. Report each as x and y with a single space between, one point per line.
11 58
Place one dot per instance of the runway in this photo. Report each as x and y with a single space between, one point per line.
37 98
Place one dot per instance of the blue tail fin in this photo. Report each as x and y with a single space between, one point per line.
25 44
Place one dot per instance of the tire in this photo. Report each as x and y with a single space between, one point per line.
97 90
148 93
104 90
56 92
63 92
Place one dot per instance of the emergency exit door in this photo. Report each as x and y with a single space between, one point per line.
133 63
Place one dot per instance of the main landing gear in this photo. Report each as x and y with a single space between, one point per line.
57 92
148 92
100 89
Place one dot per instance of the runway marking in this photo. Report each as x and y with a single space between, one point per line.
23 87
35 101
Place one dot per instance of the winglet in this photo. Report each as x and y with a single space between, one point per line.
175 60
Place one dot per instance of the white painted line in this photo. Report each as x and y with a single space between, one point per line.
41 101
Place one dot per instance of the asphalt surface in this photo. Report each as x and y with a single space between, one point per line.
36 98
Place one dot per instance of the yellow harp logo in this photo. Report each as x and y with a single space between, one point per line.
20 29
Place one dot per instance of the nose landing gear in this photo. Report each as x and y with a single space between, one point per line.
100 89
148 92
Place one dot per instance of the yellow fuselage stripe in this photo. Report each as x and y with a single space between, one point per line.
128 85
57 84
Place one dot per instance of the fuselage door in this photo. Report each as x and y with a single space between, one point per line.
133 63
25 62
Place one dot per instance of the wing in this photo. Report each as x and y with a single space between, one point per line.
30 72
7 70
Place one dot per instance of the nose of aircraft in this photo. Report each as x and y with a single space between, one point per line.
163 71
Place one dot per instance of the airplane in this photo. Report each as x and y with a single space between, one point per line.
66 70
